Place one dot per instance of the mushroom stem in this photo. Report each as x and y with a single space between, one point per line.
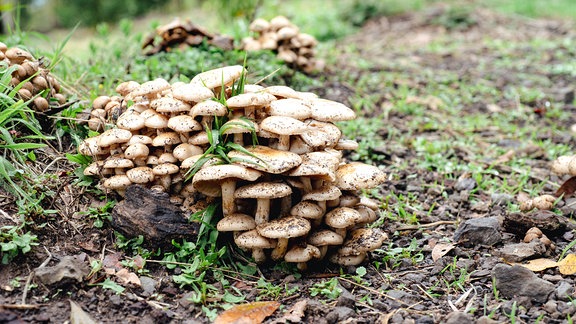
285 205
302 266
239 138
262 211
258 255
280 249
323 250
341 232
284 143
228 187
306 183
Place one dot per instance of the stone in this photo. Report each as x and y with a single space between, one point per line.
485 320
458 318
339 313
522 251
465 184
148 285
479 231
70 268
501 198
565 291
518 281
346 298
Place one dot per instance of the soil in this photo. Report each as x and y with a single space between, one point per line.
410 287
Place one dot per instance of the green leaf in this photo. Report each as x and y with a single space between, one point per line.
109 284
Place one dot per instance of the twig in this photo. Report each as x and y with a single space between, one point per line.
416 227
20 306
7 216
31 275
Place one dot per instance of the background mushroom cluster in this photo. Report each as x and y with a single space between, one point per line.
287 194
280 35
37 82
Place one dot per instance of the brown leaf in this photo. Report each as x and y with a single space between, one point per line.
127 277
539 264
567 188
567 266
294 314
250 313
440 249
504 158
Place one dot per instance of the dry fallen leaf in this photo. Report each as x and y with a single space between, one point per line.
539 264
440 249
567 188
250 313
567 266
294 314
127 277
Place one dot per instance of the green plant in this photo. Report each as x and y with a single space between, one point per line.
13 241
328 288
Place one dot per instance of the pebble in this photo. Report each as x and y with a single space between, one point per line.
458 318
339 313
479 231
465 184
518 281
565 291
520 251
148 285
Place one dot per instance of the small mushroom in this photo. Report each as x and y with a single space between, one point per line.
357 175
263 192
284 127
236 223
267 159
323 238
363 240
256 242
341 218
283 229
301 255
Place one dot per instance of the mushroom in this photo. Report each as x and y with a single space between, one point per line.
214 79
285 127
118 182
112 138
348 260
163 171
239 127
208 109
341 218
266 159
256 242
118 163
192 93
248 102
142 174
357 175
330 111
321 134
236 223
323 194
363 240
290 107
323 238
301 255
221 180
283 229
263 192
137 152
307 209
317 165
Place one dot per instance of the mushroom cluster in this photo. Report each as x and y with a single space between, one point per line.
290 197
37 84
181 34
282 36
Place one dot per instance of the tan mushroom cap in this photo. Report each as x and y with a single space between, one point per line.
287 227
169 105
100 102
290 107
253 88
114 136
94 168
306 40
363 240
207 178
342 217
142 139
117 182
117 162
154 119
142 174
126 87
165 169
17 55
357 175
302 254
167 157
209 108
281 92
131 121
90 147
307 209
321 165
267 159
192 93
325 237
136 150
321 134
348 260
324 193
346 144
266 190
259 25
186 150
328 110
200 138
183 124
565 164
283 125
218 77
236 222
249 99
278 22
151 88
253 240
287 32
168 138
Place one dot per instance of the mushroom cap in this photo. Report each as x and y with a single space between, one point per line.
325 237
206 180
209 108
126 87
283 125
168 138
143 139
286 227
290 107
183 124
358 175
192 93
281 91
348 200
142 174
342 217
200 138
253 240
328 110
321 134
219 77
130 120
239 126
167 157
306 40
562 164
136 150
114 136
267 159
155 120
279 22
117 182
324 193
348 260
321 165
117 162
287 32
307 209
169 105
94 168
302 254
346 144
268 190
236 222
363 240
90 147
249 99
100 102
186 150
253 88
259 25
165 168
151 88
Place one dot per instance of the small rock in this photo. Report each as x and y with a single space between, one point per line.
521 251
148 285
485 320
339 313
550 306
346 298
501 198
565 291
479 231
69 268
465 184
115 300
518 281
458 318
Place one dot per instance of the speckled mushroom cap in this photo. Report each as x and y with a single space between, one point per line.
290 107
267 159
115 162
126 87
151 88
183 124
283 125
268 190
114 136
236 222
142 174
321 165
348 260
321 134
328 110
218 77
342 217
307 209
346 144
249 99
90 147
169 105
282 92
286 227
165 169
324 193
131 121
302 254
253 240
357 175
186 150
206 179
136 150
209 108
565 164
117 182
363 240
325 237
167 138
192 93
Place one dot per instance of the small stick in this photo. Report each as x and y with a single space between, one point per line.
434 224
